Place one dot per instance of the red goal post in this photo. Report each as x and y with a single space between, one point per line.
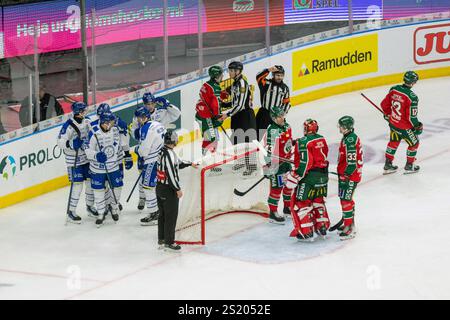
208 191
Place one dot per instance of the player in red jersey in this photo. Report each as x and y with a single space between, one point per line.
208 109
400 107
349 169
310 180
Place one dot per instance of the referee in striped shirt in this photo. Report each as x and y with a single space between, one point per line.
168 191
274 93
243 121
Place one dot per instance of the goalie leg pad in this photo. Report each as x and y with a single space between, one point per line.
320 214
302 217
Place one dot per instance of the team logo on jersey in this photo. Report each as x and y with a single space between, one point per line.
109 151
8 167
431 44
288 146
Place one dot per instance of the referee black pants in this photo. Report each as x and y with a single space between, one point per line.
263 120
168 212
243 126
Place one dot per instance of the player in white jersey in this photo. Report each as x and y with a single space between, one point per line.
162 111
104 147
124 156
150 136
72 140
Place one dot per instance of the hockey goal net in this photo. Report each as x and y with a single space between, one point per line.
209 191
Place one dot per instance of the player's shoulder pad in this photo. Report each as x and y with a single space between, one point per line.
121 124
95 128
65 126
90 134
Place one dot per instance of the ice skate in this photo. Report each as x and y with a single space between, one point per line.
72 217
274 218
411 168
150 220
389 167
172 248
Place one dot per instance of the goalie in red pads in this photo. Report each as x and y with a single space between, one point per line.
310 180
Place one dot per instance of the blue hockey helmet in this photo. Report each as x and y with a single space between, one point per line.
148 98
106 117
102 108
142 112
78 107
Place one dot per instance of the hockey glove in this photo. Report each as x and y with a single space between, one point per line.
292 180
387 117
224 95
267 170
101 157
162 103
418 129
128 160
343 180
77 143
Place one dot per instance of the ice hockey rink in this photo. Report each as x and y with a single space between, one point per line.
401 249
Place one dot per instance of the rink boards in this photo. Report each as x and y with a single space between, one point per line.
319 66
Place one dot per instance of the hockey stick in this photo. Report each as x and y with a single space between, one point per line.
134 187
107 174
372 103
337 225
243 193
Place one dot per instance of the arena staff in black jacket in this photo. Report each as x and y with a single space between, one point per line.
168 191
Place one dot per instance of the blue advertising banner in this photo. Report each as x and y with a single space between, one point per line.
296 11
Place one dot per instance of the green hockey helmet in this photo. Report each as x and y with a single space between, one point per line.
410 77
276 112
346 122
215 71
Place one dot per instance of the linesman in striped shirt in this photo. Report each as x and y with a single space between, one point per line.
168 191
243 121
274 93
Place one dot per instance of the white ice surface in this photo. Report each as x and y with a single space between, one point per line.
402 249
